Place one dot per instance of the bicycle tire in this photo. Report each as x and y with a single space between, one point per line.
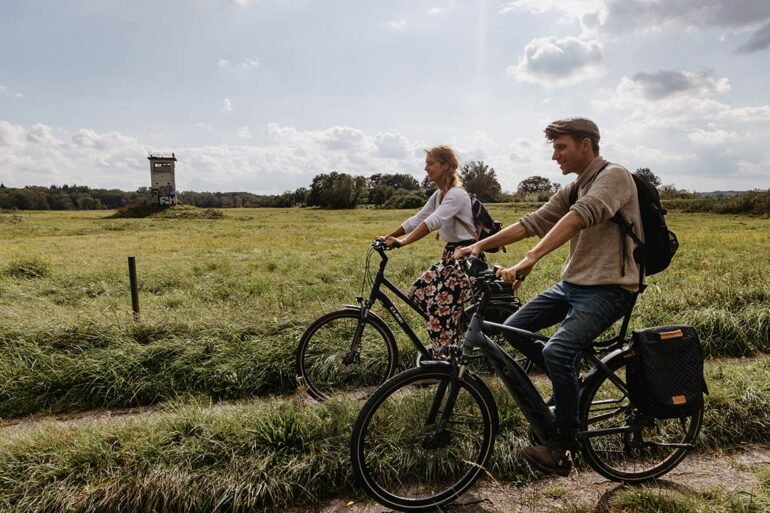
624 457
327 341
389 448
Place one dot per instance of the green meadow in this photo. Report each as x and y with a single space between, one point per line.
224 301
223 304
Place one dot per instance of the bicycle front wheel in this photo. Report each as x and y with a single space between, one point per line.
329 361
634 447
400 456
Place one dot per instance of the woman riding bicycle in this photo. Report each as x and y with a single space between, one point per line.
442 290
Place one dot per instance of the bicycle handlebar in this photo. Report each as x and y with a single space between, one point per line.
379 245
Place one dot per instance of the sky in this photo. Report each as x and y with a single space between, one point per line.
261 95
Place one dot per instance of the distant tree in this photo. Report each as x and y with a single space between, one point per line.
652 177
300 197
382 186
480 180
537 184
427 187
671 192
334 190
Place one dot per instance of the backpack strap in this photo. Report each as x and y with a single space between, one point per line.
469 229
627 229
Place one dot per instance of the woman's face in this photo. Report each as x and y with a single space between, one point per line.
435 169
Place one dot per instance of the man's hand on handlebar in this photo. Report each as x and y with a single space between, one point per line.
516 274
466 251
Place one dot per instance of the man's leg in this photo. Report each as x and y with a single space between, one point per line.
543 311
591 311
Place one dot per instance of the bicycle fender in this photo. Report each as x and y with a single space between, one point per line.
598 373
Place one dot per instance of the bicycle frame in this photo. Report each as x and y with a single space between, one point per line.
377 294
541 418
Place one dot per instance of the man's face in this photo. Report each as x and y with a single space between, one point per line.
570 155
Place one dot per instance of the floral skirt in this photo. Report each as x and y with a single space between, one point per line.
443 292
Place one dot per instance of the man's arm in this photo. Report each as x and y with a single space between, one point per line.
567 227
507 235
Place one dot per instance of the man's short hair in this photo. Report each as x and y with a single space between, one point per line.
577 128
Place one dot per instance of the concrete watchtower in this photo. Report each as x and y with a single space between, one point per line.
163 186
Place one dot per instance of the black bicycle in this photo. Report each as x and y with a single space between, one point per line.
353 348
425 435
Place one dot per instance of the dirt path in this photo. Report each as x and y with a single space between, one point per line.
698 472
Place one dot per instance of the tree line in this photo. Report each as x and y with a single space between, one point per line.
333 190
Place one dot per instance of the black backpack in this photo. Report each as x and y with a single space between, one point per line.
483 224
654 254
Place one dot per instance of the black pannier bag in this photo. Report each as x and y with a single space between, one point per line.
665 373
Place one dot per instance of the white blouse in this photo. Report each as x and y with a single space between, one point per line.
443 217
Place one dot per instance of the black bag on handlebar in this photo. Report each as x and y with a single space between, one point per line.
665 374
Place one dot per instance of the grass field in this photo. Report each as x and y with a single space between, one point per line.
224 301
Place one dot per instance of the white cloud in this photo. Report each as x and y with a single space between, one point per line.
554 62
204 126
5 91
11 135
42 134
759 40
397 26
572 8
227 105
664 83
434 10
646 15
43 155
392 146
661 99
621 17
712 137
244 133
249 63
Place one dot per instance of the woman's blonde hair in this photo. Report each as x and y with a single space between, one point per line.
446 155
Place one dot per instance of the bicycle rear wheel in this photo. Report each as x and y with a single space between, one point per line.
646 448
398 454
328 362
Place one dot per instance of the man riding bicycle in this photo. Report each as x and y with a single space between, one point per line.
599 276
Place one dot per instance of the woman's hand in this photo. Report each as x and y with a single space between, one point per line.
392 242
516 274
472 250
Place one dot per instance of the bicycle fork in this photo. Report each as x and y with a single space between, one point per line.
355 345
440 436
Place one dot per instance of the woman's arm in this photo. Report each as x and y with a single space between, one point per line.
415 235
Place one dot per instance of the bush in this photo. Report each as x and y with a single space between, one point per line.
28 268
753 202
405 199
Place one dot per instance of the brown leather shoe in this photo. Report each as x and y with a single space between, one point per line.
548 459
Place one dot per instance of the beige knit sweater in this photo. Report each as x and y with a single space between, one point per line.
595 253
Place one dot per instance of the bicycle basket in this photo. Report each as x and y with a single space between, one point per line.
665 373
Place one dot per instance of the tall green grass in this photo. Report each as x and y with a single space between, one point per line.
223 302
241 457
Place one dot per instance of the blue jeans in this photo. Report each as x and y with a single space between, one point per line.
585 312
